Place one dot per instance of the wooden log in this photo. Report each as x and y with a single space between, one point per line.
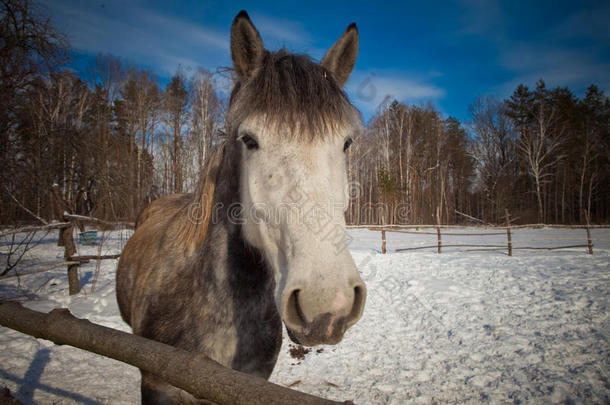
508 236
383 250
193 372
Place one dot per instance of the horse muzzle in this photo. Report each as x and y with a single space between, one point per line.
312 320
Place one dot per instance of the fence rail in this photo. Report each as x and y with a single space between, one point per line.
66 239
193 372
506 230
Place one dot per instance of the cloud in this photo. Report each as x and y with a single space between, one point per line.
281 30
140 34
588 23
480 17
147 36
369 90
556 65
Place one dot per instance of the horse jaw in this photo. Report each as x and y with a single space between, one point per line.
294 196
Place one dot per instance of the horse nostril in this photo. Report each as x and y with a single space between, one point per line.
358 307
294 317
313 316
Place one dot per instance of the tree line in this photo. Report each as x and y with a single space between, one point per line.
115 138
543 154
112 139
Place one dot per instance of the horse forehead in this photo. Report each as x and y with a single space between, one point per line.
275 132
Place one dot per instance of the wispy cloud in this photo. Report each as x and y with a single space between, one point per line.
142 35
589 23
369 90
134 31
565 50
480 17
556 65
177 29
281 30
292 34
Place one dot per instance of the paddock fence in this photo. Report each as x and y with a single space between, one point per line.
439 237
71 225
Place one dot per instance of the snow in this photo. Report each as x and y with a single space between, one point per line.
459 327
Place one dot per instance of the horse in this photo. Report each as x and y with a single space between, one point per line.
261 241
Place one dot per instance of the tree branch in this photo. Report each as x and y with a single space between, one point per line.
24 207
42 270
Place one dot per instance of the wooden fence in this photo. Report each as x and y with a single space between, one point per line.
72 261
494 231
193 372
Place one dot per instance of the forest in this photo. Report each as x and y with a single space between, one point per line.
117 137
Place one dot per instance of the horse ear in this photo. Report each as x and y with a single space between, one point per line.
246 46
341 58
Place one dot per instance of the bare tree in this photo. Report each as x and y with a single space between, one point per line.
106 76
541 148
594 117
30 47
494 150
138 111
175 103
205 122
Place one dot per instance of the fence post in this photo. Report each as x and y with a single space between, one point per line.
438 228
59 210
383 250
70 250
510 243
589 242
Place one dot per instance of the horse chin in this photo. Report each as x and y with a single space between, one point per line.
312 339
293 336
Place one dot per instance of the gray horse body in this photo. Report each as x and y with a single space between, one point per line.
210 302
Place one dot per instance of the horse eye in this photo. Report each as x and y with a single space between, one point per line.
249 141
347 143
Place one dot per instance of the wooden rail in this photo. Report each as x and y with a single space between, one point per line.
193 372
66 239
507 231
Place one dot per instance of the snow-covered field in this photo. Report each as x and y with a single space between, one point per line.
478 327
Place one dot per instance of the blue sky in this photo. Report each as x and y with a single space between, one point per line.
441 52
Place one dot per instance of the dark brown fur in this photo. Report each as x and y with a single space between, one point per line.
161 207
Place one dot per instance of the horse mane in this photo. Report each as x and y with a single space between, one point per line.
194 221
292 90
289 91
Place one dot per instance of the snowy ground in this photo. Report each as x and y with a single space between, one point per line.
451 328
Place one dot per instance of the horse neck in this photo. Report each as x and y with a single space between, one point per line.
224 235
226 192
